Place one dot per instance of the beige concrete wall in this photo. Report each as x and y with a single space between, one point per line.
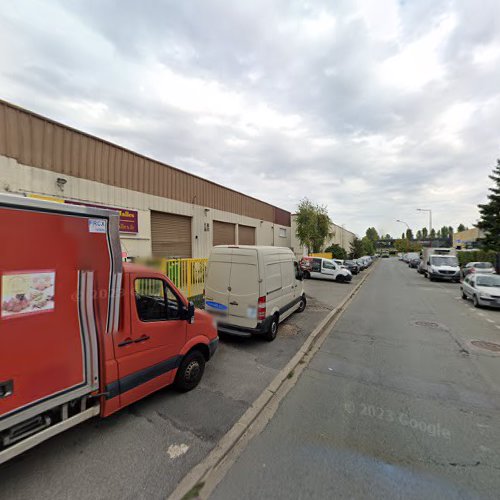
340 236
22 179
462 238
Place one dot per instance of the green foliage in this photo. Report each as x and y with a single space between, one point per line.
409 234
372 235
419 234
405 246
425 233
313 225
368 245
490 213
476 256
461 227
356 249
337 251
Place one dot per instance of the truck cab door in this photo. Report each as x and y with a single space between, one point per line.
147 352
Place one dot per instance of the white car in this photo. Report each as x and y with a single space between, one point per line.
483 289
327 269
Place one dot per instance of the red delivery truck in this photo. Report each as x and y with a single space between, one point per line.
81 333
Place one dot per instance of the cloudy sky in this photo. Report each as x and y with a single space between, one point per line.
374 108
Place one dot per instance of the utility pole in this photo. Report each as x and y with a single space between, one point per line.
430 221
407 241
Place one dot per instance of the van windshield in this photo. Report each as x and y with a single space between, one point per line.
444 260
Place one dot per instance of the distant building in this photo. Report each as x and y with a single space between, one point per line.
339 236
467 239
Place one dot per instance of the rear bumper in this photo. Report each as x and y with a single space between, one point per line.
242 331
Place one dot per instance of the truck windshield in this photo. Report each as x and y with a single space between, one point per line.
444 260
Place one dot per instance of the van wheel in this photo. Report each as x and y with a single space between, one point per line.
190 371
273 329
302 304
340 278
306 275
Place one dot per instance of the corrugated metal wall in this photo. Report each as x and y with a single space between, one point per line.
36 141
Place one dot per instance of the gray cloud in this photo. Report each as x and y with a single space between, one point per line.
374 112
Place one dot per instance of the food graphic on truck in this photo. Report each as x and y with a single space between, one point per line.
27 293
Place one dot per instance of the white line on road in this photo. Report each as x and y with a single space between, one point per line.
489 320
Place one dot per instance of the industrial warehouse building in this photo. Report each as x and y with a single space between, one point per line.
164 212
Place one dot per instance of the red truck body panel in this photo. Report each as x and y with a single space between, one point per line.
77 326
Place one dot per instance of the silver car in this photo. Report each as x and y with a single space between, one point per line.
478 267
483 289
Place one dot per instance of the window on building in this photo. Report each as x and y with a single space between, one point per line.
283 232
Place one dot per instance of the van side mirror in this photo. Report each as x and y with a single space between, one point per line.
190 312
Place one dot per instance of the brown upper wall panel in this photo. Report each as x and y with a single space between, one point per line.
39 142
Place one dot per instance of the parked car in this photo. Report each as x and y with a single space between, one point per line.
385 256
251 289
414 262
421 267
483 289
327 269
478 267
352 265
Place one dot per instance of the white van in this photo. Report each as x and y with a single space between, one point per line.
251 289
327 269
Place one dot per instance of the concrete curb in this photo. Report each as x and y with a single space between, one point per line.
194 484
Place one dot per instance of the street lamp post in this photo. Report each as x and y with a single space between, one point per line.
407 241
430 221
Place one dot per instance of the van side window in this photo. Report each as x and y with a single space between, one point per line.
173 305
328 265
316 265
298 272
150 299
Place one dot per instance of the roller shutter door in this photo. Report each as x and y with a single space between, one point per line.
246 235
171 235
224 233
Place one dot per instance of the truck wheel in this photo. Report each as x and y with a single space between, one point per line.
273 329
190 371
302 304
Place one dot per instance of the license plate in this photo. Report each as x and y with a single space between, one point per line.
251 312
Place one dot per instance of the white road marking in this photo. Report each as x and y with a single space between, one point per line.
489 320
176 450
497 326
480 314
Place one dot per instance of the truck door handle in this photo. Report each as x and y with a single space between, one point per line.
126 342
142 339
233 303
6 388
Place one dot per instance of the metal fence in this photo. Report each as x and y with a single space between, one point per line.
188 275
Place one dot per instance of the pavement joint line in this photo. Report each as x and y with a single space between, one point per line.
250 424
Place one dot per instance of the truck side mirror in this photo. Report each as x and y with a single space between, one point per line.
190 312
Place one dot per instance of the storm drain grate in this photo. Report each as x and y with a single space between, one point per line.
488 346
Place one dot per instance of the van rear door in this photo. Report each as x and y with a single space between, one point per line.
244 288
217 282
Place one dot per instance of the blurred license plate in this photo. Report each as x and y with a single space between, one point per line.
251 312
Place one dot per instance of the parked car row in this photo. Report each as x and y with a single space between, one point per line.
480 283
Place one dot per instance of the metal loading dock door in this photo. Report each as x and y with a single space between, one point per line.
224 233
171 235
246 235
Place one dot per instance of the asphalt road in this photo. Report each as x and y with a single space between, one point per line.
144 450
397 403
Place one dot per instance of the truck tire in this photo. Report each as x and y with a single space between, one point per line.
190 371
271 333
302 304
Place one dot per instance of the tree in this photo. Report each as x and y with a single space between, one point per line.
461 227
409 234
368 246
387 237
337 251
490 213
371 234
313 225
425 233
433 233
419 234
356 248
403 236
450 232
